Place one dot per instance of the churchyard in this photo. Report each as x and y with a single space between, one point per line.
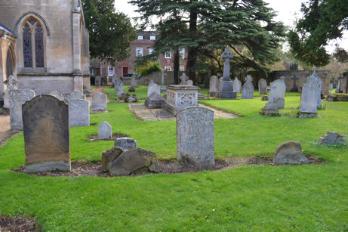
243 196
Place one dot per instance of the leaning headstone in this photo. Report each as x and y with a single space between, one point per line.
17 99
237 85
309 98
126 143
262 84
248 88
105 131
276 98
57 95
195 137
99 102
214 86
46 135
333 138
227 83
290 153
183 79
79 114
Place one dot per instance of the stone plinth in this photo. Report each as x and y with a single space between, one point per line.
180 97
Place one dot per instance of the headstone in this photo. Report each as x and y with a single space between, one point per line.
227 83
214 86
153 88
290 153
195 137
105 131
154 99
276 98
183 79
79 114
248 88
119 87
333 138
319 89
57 95
309 98
134 82
99 102
46 134
262 84
17 99
11 85
126 143
237 85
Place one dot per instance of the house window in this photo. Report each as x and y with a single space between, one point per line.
33 44
152 37
139 52
168 68
140 37
151 50
168 55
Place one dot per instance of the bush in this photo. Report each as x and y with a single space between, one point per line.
148 68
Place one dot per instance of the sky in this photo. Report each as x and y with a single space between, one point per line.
288 11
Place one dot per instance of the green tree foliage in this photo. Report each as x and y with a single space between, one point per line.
204 26
323 21
110 32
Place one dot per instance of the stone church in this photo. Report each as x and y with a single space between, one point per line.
45 44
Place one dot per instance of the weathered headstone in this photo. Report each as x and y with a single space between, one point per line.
46 134
105 131
248 88
126 143
119 87
309 98
227 83
99 102
290 153
17 99
154 99
183 79
79 114
214 86
195 137
262 84
333 138
276 98
237 85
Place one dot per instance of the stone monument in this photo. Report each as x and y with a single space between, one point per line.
180 97
227 83
214 86
262 85
276 99
309 98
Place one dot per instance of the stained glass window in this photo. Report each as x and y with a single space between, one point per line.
39 47
27 47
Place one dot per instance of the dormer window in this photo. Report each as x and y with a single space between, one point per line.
152 37
140 37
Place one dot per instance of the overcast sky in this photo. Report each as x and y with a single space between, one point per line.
288 11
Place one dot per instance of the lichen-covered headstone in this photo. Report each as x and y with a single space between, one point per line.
79 114
99 102
105 131
248 88
290 153
195 137
126 143
17 99
262 84
46 134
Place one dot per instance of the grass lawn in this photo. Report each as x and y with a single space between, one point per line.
249 198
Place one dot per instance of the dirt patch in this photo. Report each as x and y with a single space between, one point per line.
87 168
18 224
94 137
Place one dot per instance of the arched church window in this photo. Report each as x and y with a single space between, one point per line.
33 44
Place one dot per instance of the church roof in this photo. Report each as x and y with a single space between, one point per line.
5 30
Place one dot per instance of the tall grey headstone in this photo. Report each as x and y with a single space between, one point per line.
46 134
237 85
248 88
276 98
309 98
79 114
227 83
105 131
195 137
214 86
262 85
119 86
99 102
153 88
17 99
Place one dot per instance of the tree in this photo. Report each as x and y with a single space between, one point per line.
323 20
214 24
110 32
